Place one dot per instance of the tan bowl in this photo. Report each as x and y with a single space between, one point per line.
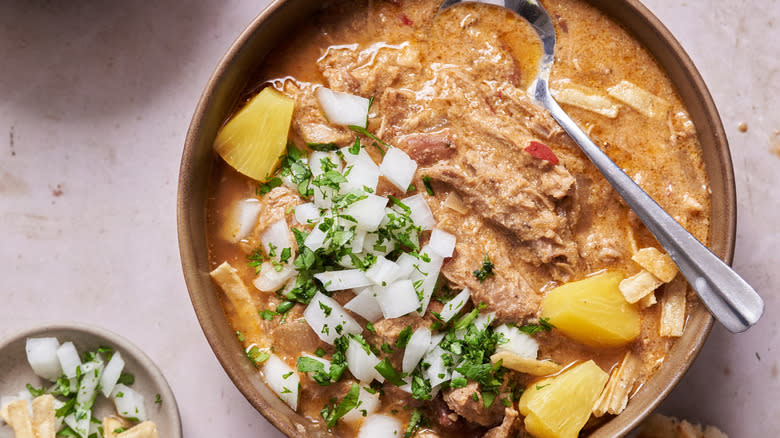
234 74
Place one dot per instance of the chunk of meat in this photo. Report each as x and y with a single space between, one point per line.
427 149
309 122
506 428
293 337
274 206
461 401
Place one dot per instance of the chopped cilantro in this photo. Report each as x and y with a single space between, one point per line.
284 306
427 182
35 392
240 336
403 337
322 147
157 399
256 259
370 327
415 421
331 413
486 270
538 387
326 309
268 185
126 379
267 314
257 356
532 329
385 368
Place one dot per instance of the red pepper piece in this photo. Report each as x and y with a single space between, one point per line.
542 152
405 20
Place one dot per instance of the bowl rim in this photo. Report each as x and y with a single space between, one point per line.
617 426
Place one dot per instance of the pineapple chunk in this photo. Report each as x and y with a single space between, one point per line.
593 311
252 141
558 407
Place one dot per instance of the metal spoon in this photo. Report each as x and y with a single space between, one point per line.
728 297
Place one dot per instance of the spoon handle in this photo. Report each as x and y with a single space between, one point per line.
730 298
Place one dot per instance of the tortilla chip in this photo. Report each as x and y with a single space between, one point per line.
44 420
672 321
587 99
657 263
525 365
638 286
147 429
17 415
640 99
249 323
614 397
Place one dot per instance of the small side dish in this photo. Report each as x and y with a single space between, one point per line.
64 406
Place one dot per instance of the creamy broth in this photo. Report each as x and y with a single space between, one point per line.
450 93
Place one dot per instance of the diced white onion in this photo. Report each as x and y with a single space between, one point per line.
383 271
483 320
428 272
361 174
361 363
366 305
358 240
91 372
271 280
325 315
315 161
368 212
323 197
344 279
282 380
437 373
380 426
42 357
416 348
371 245
81 425
111 374
342 108
129 403
367 404
518 342
307 213
242 219
397 299
420 211
435 340
453 306
315 239
69 359
442 242
398 168
361 157
278 235
406 264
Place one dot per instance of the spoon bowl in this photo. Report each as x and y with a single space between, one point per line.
732 301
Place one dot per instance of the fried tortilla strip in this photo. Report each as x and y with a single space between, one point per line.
113 426
661 426
454 202
44 420
673 308
638 286
147 429
226 277
640 99
648 300
657 263
614 398
17 415
525 365
587 99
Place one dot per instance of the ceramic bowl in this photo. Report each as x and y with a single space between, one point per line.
234 73
15 371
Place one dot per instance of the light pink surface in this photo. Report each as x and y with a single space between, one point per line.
95 100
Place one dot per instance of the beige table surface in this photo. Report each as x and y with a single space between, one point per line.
95 100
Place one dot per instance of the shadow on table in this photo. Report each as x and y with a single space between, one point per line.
79 59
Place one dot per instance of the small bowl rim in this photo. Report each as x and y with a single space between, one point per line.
617 426
118 342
